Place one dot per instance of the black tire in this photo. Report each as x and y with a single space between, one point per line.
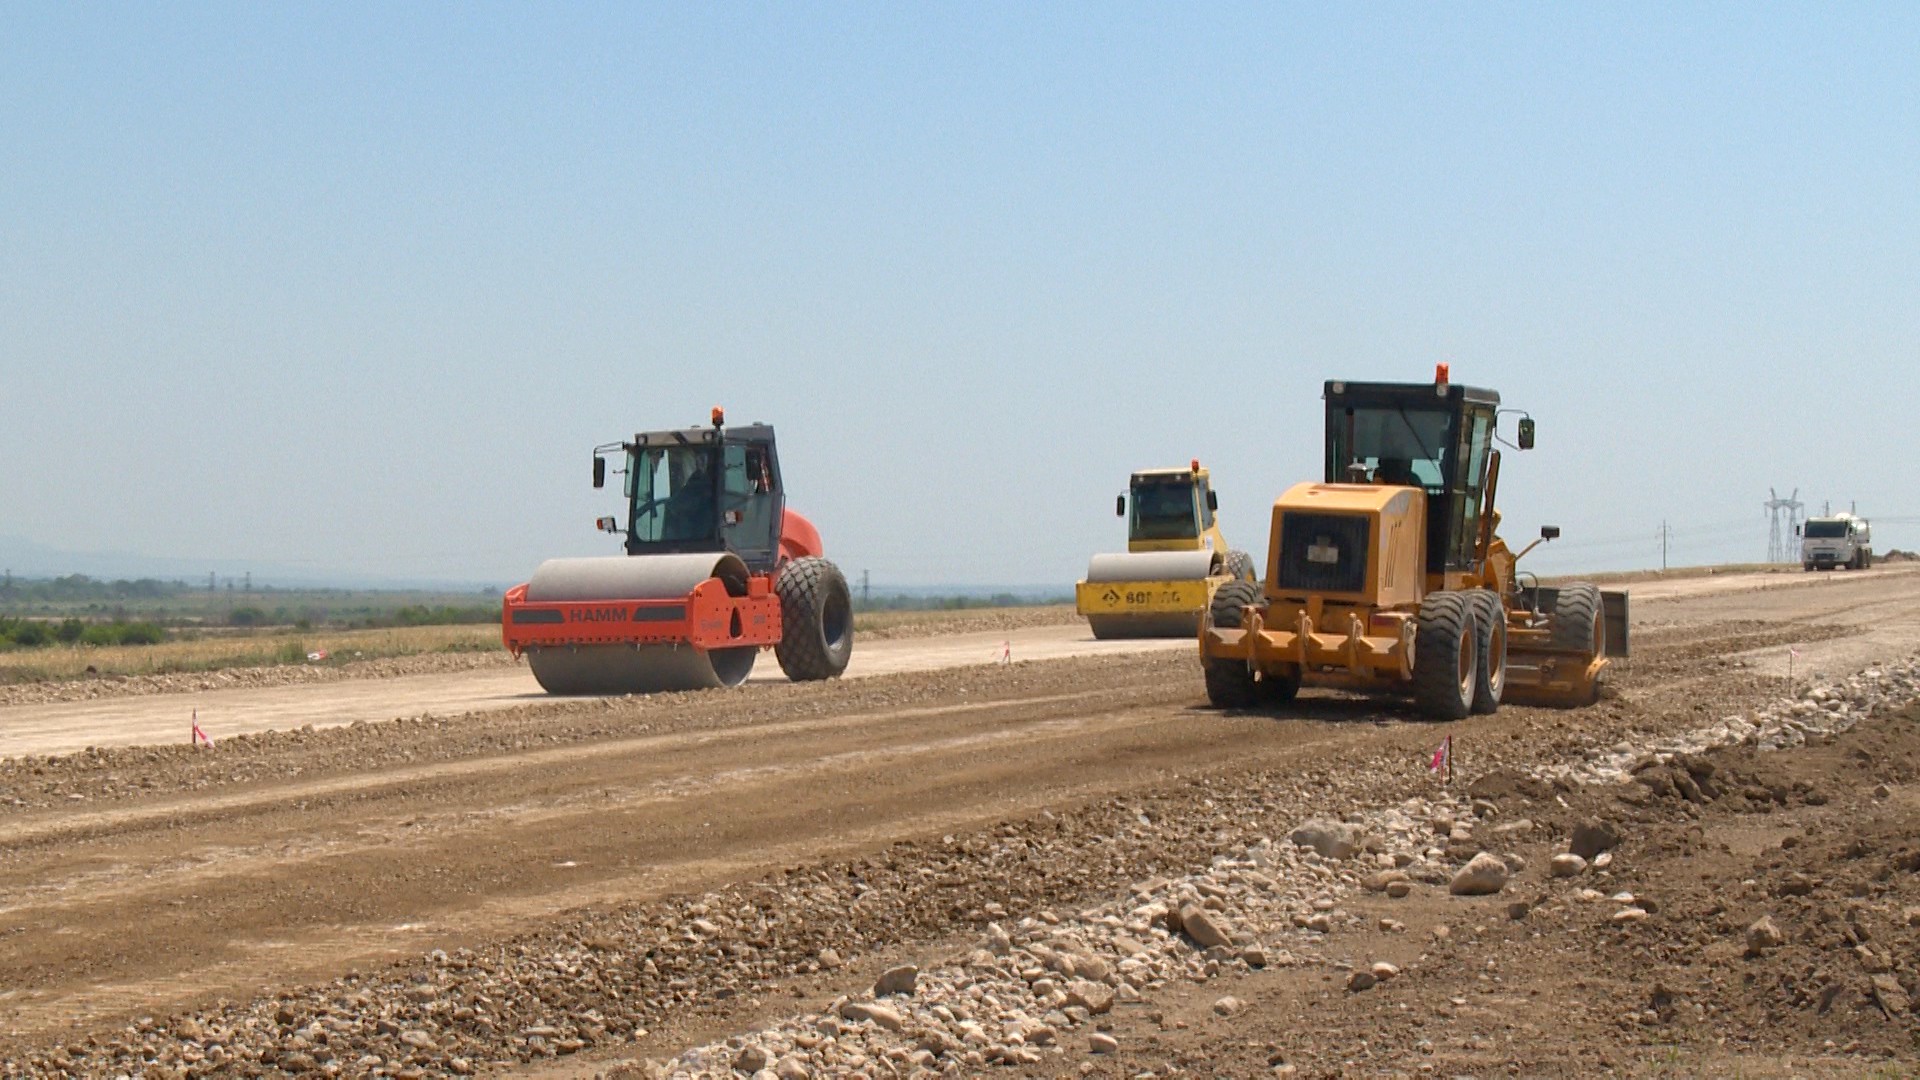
1230 683
816 620
1490 684
1446 666
1577 615
1240 566
1277 689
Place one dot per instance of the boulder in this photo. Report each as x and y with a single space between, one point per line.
1483 875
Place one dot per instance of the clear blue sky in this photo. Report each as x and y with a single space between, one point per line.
355 287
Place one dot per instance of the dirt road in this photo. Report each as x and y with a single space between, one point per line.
554 886
132 721
66 727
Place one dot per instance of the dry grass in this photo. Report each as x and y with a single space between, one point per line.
213 653
882 625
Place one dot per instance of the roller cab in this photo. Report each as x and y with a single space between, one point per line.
1388 575
716 569
1176 556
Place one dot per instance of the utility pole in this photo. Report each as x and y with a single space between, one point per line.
1665 534
211 586
866 586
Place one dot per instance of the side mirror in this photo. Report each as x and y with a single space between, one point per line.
600 472
1213 500
1120 506
1549 532
606 524
1796 530
1526 433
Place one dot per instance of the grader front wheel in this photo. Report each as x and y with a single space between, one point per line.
1230 684
1446 664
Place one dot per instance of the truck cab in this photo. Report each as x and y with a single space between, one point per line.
1172 510
1827 543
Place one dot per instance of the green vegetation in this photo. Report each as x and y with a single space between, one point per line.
79 610
33 633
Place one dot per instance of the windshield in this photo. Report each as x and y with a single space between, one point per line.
1826 530
1163 510
672 493
1395 444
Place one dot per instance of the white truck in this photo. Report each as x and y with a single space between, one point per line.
1840 540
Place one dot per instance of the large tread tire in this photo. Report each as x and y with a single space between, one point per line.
1579 626
1230 684
1577 615
1490 683
816 620
1445 662
1240 566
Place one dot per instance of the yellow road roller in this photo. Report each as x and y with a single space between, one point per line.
1389 575
1176 556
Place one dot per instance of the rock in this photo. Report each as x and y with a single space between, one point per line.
897 980
872 1011
1229 1006
1206 930
1518 910
1254 956
1629 915
1102 1043
1890 995
1483 875
1383 971
1603 860
1088 966
828 959
1590 838
1764 935
791 1068
1378 882
998 943
1566 865
1332 839
1399 890
1361 980
1096 998
751 1059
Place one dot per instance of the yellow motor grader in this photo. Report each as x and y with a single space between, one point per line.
1389 574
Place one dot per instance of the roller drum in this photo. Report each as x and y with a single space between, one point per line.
1107 627
1152 566
636 669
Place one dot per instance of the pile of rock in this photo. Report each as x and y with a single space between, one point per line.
1821 709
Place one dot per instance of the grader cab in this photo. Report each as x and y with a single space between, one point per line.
1389 574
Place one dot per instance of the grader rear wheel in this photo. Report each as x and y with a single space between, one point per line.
1490 682
1446 663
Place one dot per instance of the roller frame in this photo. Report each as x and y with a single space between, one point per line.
703 618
